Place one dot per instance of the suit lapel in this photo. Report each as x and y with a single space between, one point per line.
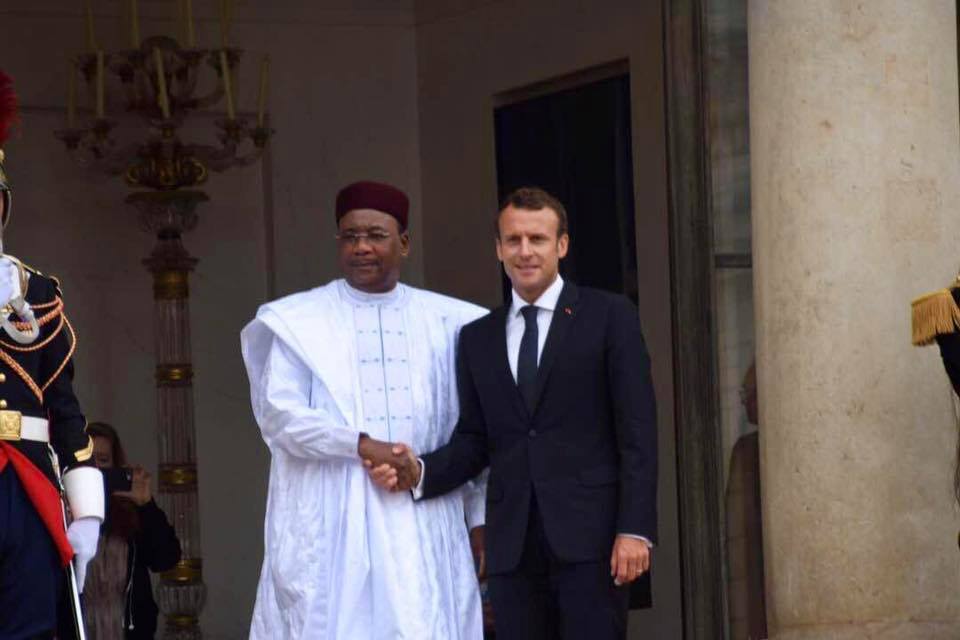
501 363
563 317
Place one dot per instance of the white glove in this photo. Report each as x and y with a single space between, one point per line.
83 535
9 280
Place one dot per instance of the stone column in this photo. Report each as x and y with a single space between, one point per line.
855 183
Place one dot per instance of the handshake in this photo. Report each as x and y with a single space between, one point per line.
392 466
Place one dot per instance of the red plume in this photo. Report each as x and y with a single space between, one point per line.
8 106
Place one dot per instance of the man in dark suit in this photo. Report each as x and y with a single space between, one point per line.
556 398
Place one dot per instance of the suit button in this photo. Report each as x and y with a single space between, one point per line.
3 404
532 433
3 378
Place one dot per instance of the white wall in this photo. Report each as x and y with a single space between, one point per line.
343 90
468 51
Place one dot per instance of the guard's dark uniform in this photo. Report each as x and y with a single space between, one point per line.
35 380
37 407
47 390
936 318
950 349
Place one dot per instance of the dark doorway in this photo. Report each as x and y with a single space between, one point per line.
572 138
575 143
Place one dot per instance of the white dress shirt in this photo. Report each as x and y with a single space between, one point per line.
545 305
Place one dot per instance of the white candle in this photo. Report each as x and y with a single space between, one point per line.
223 24
191 36
262 98
71 96
227 84
91 38
99 107
134 25
161 83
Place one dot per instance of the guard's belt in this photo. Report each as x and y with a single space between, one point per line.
15 426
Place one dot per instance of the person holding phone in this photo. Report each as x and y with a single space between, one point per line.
136 538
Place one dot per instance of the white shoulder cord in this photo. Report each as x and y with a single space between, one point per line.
22 308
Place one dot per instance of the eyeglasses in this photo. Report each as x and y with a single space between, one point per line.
352 238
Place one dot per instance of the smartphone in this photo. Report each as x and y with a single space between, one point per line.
117 479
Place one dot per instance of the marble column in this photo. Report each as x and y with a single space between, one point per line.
855 156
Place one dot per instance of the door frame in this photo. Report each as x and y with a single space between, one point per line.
699 447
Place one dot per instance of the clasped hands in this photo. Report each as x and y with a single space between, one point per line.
392 466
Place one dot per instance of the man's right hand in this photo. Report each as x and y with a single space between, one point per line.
391 466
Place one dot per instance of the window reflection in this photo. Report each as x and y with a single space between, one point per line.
728 108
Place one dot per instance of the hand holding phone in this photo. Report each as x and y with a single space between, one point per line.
138 487
117 479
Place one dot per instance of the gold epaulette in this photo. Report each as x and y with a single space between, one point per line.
934 314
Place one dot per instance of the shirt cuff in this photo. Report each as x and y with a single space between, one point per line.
636 537
417 491
476 516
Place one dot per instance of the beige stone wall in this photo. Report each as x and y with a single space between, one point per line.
856 178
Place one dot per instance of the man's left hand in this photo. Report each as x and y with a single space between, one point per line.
629 560
83 535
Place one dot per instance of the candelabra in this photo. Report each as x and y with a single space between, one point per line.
159 81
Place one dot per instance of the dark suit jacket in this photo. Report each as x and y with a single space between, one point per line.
588 453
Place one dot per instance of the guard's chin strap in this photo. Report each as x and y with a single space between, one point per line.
21 307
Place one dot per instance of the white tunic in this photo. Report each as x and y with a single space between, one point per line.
342 558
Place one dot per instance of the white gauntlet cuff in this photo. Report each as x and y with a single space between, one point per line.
84 488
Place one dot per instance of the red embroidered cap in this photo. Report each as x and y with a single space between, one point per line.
374 195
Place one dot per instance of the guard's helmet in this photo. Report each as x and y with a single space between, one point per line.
8 113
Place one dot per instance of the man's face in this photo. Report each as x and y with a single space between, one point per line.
529 249
371 248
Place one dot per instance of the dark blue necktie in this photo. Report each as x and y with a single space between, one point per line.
527 361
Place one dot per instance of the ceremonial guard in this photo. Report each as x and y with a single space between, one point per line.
936 318
41 435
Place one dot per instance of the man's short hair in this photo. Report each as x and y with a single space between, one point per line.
532 199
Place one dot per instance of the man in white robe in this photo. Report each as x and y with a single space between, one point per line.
336 374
